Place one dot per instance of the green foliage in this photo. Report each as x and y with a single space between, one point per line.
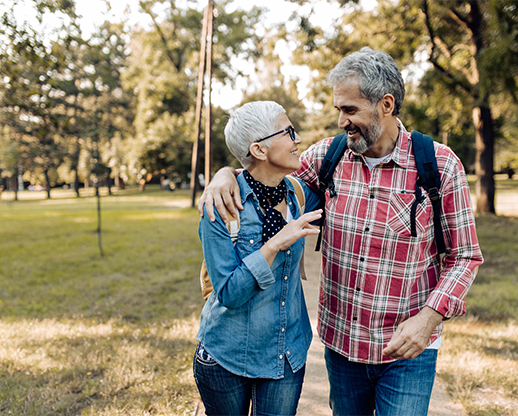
272 85
62 97
163 72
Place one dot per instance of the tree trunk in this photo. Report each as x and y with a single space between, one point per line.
485 139
75 165
109 181
76 181
47 183
14 186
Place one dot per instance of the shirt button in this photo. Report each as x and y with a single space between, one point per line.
355 318
371 196
288 352
362 259
358 289
367 229
288 252
283 303
280 357
282 329
251 241
285 277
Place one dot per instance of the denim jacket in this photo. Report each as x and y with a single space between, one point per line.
256 317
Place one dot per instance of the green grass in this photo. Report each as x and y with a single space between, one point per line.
51 266
494 294
81 334
479 356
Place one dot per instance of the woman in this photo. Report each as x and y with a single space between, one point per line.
255 332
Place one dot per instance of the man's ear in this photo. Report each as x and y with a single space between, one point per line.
258 151
388 103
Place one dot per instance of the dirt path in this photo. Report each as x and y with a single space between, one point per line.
314 399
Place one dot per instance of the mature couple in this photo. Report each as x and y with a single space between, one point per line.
383 292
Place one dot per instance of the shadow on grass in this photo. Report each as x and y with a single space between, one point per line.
68 368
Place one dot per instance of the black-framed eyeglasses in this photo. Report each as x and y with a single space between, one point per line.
290 130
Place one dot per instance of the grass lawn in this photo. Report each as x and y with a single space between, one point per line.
479 356
81 334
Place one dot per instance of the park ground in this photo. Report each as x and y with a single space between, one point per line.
83 334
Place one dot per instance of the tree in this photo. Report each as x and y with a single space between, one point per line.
100 109
28 101
163 73
474 46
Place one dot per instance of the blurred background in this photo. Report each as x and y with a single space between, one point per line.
106 90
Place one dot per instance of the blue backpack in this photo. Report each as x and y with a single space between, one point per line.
428 178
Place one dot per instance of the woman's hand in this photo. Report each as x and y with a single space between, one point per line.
294 230
223 191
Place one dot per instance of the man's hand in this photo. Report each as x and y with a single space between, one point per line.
223 191
412 335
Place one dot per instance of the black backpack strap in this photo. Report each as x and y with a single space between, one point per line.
430 179
325 177
332 157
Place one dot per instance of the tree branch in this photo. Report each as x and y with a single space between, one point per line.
433 58
147 9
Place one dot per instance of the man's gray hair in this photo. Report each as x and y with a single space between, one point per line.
377 74
250 122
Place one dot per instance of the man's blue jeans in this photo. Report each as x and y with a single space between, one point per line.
401 388
225 394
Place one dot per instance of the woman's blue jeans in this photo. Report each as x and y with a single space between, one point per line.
224 393
401 388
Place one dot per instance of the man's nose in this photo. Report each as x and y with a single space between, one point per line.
297 139
343 121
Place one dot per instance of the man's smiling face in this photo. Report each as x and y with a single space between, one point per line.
358 117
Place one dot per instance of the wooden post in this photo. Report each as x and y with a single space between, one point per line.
199 103
208 114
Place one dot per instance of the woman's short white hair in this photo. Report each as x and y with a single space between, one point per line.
250 122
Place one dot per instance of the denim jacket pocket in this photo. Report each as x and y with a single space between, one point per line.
400 206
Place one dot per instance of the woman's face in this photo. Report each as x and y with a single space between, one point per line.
283 151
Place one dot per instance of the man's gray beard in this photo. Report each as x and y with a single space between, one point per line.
367 138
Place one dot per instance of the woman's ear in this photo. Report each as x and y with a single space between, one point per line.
258 151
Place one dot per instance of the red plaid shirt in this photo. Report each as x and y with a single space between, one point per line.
374 273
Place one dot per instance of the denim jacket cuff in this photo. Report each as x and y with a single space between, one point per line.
260 269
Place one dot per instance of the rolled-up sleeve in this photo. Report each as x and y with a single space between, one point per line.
233 280
463 255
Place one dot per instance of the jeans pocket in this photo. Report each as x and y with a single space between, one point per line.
203 357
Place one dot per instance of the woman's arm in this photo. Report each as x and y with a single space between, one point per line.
236 281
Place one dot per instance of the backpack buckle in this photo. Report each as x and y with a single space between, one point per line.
434 193
332 190
322 186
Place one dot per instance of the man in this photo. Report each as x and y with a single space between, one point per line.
383 292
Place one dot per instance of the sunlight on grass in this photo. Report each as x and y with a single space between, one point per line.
479 361
78 367
81 334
